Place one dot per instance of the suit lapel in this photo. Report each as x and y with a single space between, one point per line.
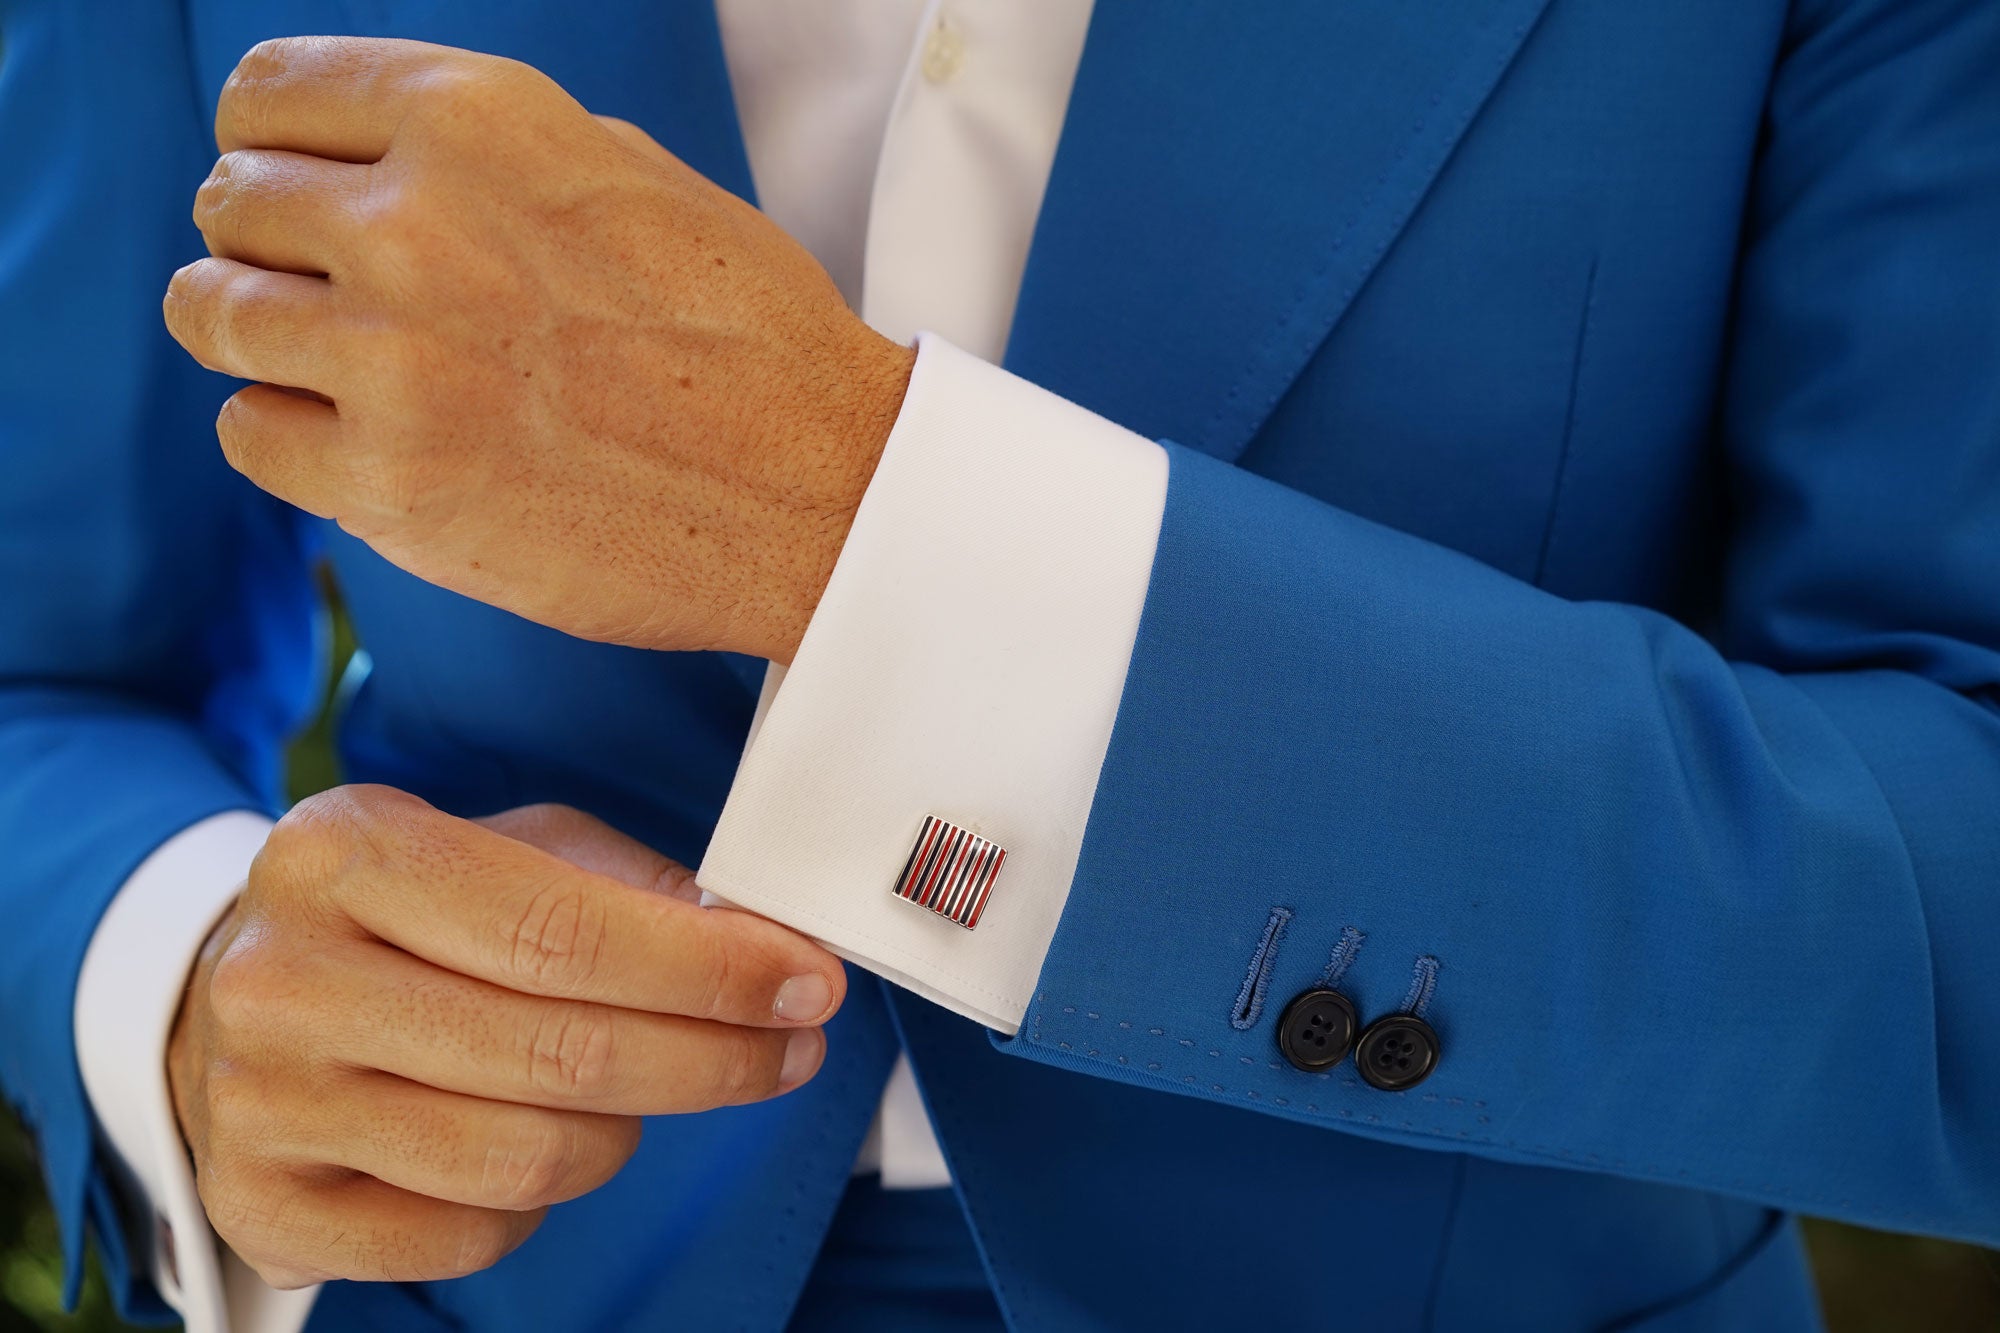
1226 182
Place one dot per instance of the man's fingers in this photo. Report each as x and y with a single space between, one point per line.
285 441
252 323
588 842
296 1229
486 905
460 1034
449 1146
333 97
280 210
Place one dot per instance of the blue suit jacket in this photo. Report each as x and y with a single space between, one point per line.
1581 566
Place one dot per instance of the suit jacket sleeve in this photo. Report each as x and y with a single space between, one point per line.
1712 908
156 617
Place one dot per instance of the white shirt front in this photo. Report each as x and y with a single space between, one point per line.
966 660
906 143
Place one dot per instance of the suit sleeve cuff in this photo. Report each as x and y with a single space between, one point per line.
134 973
965 662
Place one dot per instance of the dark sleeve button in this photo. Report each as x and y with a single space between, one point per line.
1397 1052
1317 1029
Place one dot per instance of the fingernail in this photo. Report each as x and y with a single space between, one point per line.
801 1058
803 999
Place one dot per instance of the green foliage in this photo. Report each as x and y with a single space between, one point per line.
30 1265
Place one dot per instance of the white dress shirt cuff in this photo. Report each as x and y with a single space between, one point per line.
130 988
966 661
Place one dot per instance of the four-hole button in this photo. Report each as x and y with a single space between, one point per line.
1317 1030
1397 1052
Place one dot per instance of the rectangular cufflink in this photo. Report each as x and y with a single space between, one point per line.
950 871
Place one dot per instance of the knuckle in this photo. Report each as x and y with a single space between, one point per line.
241 181
238 1219
377 803
389 821
317 815
242 1112
211 197
234 428
748 1071
472 84
190 303
569 1053
237 304
320 827
266 59
402 228
254 71
530 1169
719 970
269 997
451 92
240 991
335 848
253 1212
483 1241
182 285
262 71
558 940
300 56
444 83
488 99
340 824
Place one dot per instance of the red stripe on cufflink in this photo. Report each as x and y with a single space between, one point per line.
950 871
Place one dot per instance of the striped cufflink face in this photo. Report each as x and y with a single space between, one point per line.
950 871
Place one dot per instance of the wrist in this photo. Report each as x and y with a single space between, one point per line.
855 421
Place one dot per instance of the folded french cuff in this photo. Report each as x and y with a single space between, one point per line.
915 787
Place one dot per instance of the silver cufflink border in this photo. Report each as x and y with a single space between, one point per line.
950 871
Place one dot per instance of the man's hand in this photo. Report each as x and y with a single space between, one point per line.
545 364
414 1033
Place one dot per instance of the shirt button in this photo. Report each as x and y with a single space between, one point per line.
944 54
1397 1052
1316 1030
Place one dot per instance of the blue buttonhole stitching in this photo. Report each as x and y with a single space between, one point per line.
1250 999
1422 983
1342 957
